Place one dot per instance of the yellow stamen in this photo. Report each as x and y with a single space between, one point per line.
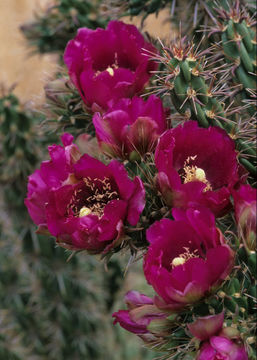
110 70
200 174
84 211
182 258
194 173
178 261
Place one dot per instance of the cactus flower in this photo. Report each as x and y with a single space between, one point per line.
197 166
131 127
221 348
107 65
187 258
81 201
141 312
218 343
245 202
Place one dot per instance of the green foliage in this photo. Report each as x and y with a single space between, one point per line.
65 110
17 146
238 41
56 25
44 296
133 7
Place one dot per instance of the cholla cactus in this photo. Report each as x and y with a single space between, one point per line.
118 8
19 152
48 296
58 23
175 190
236 26
199 91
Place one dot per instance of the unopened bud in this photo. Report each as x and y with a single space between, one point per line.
230 332
250 340
222 294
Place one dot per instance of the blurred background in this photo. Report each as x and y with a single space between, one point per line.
50 308
16 66
31 72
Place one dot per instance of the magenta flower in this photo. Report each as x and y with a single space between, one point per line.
222 348
196 166
107 65
131 127
222 344
51 175
141 312
81 201
245 213
187 258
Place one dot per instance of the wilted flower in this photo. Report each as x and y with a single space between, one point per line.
107 65
245 203
81 201
205 327
131 127
196 166
222 344
187 258
140 314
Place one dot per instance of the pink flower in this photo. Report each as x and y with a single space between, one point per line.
196 166
187 258
51 175
221 348
107 65
204 327
81 201
131 127
245 213
222 344
141 312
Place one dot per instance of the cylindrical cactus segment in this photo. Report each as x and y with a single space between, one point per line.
238 41
194 95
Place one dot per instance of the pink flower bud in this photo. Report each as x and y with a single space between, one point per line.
245 202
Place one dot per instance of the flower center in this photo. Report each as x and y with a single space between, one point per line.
101 193
110 70
84 211
194 173
182 258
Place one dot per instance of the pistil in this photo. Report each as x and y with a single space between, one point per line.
182 258
194 173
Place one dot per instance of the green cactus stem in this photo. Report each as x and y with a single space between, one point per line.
194 93
238 41
57 24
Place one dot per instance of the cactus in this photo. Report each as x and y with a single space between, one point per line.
239 45
198 84
56 25
64 109
133 7
196 89
49 292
